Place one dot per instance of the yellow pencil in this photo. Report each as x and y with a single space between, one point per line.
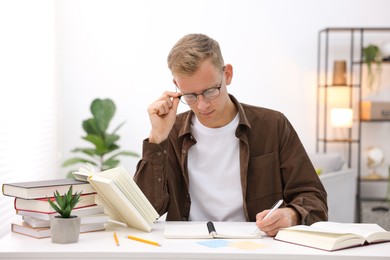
116 239
143 240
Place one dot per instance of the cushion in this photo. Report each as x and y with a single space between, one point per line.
327 162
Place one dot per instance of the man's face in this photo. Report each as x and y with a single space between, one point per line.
211 113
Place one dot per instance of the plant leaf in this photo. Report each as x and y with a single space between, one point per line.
75 160
103 111
100 147
118 127
111 139
126 153
88 151
90 127
112 163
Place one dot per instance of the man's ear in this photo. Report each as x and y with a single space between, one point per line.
228 73
174 82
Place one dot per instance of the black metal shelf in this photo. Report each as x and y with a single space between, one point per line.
356 37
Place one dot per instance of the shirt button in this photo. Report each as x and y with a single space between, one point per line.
159 153
183 151
159 179
165 151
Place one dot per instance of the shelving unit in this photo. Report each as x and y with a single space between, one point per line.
344 44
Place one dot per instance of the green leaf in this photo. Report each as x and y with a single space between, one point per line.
100 147
87 151
103 111
108 164
111 139
53 205
90 127
126 153
75 160
118 127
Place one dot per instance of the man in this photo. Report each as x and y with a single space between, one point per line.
223 160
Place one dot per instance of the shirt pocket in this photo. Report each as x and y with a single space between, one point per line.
263 176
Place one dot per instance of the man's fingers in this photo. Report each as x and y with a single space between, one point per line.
167 101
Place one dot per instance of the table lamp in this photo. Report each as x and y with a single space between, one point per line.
341 118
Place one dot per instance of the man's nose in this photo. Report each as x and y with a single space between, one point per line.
202 102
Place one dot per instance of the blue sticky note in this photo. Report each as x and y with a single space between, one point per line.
214 243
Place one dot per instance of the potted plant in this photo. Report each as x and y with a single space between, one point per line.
372 54
65 228
104 154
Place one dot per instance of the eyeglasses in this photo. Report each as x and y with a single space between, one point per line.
208 94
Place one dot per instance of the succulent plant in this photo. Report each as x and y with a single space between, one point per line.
65 203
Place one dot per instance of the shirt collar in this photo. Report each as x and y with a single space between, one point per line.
186 127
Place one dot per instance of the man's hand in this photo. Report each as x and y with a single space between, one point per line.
280 218
162 115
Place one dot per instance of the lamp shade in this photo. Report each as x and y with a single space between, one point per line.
341 117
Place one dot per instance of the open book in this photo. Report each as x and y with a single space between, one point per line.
122 199
203 230
332 236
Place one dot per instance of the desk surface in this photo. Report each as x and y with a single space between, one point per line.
101 245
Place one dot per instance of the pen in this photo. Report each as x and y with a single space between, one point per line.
274 207
143 240
116 239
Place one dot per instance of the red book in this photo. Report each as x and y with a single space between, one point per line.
90 210
42 205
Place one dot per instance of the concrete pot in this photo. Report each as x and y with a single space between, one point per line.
65 230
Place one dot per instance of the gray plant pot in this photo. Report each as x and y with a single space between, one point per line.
65 230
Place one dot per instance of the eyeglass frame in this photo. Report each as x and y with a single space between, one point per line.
218 87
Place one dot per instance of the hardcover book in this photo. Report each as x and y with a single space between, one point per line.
42 205
332 236
46 188
88 219
95 209
43 232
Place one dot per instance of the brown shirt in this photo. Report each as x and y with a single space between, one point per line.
274 165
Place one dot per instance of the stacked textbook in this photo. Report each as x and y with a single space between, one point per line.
34 211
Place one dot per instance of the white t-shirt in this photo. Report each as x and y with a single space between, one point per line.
214 173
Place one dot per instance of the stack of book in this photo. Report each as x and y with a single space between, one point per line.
35 211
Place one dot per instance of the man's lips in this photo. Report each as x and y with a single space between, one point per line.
206 113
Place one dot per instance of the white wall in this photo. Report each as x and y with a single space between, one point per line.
28 97
118 49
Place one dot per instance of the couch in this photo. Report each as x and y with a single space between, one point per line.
340 184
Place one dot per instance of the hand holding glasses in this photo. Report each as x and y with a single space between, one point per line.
208 94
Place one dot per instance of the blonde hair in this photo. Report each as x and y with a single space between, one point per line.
192 50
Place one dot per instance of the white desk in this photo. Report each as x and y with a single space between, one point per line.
101 245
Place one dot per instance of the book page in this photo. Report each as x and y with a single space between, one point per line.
236 230
119 203
361 229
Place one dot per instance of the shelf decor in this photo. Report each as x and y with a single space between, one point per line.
339 73
358 47
372 54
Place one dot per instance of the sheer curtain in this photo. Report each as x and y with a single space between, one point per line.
28 97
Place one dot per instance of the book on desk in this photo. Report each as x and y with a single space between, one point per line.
34 212
121 197
331 236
